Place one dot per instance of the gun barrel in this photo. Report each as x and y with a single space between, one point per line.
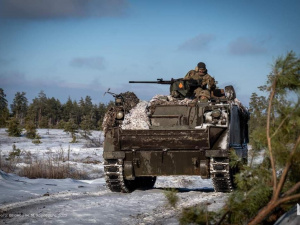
143 82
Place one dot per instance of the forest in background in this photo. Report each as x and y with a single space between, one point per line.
45 112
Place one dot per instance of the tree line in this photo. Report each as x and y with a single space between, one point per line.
45 112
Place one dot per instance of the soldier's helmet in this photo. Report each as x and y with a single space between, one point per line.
201 65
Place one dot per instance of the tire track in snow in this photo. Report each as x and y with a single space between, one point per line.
50 199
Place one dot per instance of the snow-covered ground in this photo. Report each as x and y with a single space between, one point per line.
70 201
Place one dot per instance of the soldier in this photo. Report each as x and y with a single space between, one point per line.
208 82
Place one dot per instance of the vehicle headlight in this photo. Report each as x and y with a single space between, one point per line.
120 115
216 113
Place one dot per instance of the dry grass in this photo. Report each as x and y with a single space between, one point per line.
171 196
54 166
8 163
41 169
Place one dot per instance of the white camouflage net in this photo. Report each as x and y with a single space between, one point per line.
169 100
137 118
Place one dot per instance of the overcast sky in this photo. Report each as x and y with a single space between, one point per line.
83 47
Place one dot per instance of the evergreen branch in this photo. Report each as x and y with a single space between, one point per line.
286 199
265 211
272 94
286 170
280 125
292 189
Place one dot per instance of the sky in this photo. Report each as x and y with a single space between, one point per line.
79 48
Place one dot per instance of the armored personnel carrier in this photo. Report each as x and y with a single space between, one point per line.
182 136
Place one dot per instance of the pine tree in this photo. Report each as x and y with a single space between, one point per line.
88 105
101 113
32 112
258 120
283 135
86 125
52 112
68 110
71 127
30 130
265 191
19 106
77 113
41 107
14 128
258 109
4 112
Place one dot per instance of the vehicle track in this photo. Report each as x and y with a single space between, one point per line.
50 199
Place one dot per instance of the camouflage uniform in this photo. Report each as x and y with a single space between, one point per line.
208 83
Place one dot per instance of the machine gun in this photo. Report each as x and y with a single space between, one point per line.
179 88
159 81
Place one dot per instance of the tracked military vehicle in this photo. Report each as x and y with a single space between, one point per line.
183 136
